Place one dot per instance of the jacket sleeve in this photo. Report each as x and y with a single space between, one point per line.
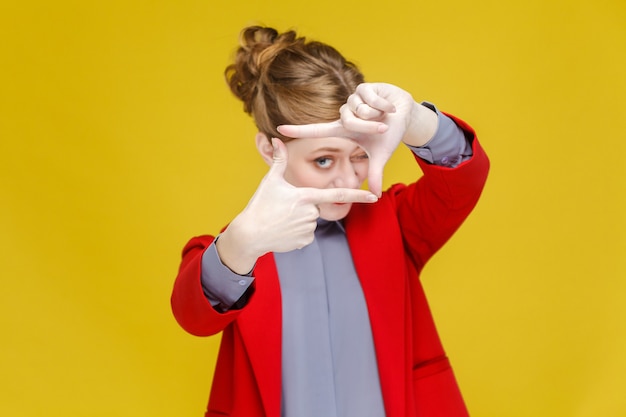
190 306
433 208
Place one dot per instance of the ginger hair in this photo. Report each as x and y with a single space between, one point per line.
282 78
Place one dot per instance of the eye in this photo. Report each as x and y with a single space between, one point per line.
324 162
359 157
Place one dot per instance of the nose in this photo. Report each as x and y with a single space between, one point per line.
346 177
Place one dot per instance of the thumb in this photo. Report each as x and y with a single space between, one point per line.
279 158
314 130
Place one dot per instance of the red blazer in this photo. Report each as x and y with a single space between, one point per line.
390 242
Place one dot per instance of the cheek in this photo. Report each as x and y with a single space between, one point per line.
361 171
301 175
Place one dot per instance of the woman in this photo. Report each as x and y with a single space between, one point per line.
315 284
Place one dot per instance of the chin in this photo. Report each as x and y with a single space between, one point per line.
334 212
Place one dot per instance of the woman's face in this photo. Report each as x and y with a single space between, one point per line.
326 163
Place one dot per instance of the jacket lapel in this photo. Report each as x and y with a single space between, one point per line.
377 250
261 328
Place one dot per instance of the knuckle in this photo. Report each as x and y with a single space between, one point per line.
340 196
305 240
312 214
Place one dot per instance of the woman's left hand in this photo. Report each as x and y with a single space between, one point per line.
377 116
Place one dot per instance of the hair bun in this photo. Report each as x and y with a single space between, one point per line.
282 78
258 47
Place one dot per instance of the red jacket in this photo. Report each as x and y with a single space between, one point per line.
390 242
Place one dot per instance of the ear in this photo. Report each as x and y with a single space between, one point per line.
265 148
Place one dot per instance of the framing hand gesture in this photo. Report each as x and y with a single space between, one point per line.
377 116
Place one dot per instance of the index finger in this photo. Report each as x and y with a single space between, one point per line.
339 195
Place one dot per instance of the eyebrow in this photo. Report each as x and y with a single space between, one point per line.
334 150
327 149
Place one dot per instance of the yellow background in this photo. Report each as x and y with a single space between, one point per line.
119 141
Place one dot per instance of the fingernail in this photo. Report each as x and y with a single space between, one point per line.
382 128
278 129
372 198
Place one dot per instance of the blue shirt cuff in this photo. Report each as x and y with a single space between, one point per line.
221 286
448 147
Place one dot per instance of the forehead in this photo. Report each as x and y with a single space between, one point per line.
321 145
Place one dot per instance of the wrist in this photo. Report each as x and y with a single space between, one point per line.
422 125
236 250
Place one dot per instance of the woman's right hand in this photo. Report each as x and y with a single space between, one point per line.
279 217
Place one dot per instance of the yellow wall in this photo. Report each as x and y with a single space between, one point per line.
119 141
